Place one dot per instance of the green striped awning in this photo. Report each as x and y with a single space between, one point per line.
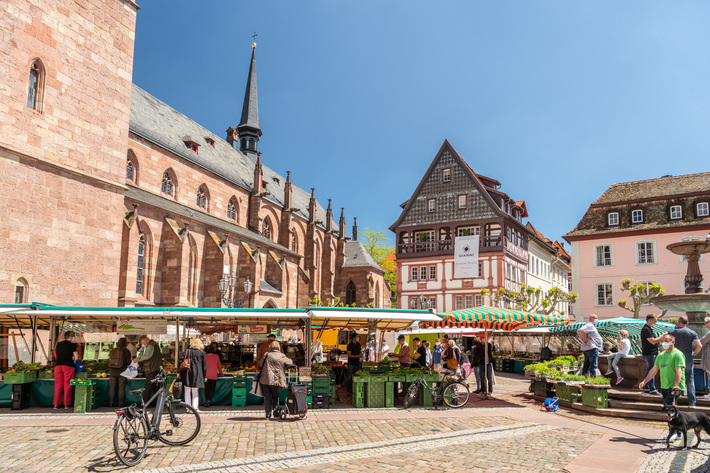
612 327
492 318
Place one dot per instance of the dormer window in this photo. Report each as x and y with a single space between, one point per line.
209 141
676 212
613 218
637 216
446 175
190 144
702 209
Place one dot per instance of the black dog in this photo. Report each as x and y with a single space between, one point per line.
680 422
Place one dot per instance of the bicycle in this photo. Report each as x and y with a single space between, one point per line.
454 393
133 429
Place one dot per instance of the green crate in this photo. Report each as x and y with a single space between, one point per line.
20 378
356 380
359 389
400 378
239 378
410 378
375 395
431 378
519 366
85 398
45 375
239 402
567 392
498 364
389 394
424 397
81 382
592 397
239 392
321 391
319 381
82 375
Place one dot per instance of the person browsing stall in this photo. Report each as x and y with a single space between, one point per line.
671 364
265 347
152 360
66 355
404 354
419 354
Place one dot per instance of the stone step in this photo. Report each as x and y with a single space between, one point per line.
609 412
642 397
650 406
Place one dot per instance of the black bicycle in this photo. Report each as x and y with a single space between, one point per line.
452 391
133 428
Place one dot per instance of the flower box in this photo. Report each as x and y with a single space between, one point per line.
20 378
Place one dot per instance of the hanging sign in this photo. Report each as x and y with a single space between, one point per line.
143 327
466 256
253 329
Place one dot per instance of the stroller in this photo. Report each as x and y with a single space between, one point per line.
296 403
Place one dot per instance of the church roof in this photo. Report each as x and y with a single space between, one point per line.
164 126
250 109
356 256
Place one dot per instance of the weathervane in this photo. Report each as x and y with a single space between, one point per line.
253 37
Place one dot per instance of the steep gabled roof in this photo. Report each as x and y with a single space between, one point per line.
164 126
356 256
484 190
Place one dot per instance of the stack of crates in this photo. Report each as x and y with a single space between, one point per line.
239 391
359 384
376 392
389 394
86 394
321 392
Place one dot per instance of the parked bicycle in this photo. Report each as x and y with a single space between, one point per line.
454 393
173 423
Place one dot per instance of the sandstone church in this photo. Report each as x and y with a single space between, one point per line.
113 198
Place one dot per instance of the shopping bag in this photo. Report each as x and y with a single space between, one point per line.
185 365
79 366
256 386
130 372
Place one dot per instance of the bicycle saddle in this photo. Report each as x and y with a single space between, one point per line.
137 392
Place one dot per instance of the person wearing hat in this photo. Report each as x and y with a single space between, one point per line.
265 347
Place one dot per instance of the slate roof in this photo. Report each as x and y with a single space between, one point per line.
654 197
250 109
356 256
164 126
655 188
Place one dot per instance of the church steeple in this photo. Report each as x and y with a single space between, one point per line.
248 128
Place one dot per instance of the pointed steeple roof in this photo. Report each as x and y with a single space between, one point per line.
250 109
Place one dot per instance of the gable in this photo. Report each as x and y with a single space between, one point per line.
478 205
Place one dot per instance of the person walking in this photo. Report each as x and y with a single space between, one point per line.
194 378
272 377
591 346
623 347
118 360
671 364
687 341
152 360
354 359
649 351
66 356
214 369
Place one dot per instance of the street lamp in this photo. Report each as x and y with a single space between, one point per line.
228 287
422 302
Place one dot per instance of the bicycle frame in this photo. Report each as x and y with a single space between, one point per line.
160 397
437 392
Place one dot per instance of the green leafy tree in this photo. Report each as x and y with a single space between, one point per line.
532 299
375 244
641 293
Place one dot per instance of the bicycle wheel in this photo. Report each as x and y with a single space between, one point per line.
130 439
411 395
179 424
456 394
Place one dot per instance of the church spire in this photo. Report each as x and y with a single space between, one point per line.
248 128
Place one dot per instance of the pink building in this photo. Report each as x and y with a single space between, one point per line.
624 234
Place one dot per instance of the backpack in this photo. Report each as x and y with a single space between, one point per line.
115 358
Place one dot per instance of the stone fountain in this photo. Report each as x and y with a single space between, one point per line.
695 302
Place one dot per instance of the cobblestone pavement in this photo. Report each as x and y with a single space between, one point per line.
505 434
675 459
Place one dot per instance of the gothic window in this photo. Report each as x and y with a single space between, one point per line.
244 143
130 170
35 91
231 210
350 294
168 186
141 264
377 296
266 228
294 242
201 198
252 144
192 276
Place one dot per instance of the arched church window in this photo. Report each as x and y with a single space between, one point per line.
266 228
130 170
350 294
167 187
35 93
140 265
201 198
294 243
21 291
231 210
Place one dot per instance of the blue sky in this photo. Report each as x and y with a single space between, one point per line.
556 99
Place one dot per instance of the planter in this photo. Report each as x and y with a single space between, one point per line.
595 396
20 378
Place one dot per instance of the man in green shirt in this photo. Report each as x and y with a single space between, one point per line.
670 362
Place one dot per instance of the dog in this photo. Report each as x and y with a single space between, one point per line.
680 422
